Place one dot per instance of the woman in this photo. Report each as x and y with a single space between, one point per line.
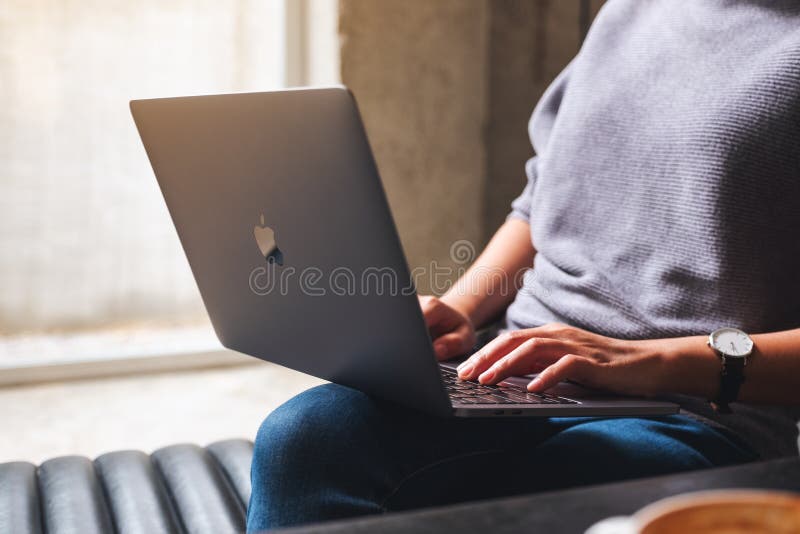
662 205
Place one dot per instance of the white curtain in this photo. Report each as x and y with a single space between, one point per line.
85 238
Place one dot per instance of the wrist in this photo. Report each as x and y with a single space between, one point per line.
465 305
693 367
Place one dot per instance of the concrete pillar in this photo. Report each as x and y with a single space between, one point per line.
418 71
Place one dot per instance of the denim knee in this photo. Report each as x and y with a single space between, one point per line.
309 459
611 449
290 436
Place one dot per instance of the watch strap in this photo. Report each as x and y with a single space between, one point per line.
731 379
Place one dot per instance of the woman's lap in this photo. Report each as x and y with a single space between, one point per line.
334 452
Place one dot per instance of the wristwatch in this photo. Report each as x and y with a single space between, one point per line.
733 347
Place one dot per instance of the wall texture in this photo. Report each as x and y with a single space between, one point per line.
446 88
418 71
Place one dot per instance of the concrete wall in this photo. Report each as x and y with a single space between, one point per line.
446 88
418 71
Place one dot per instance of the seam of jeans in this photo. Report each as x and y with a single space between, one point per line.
429 466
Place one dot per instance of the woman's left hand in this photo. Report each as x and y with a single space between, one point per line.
559 352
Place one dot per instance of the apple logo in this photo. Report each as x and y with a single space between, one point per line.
265 238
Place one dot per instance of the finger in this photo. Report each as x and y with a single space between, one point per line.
490 353
431 309
434 312
553 330
571 366
531 356
454 343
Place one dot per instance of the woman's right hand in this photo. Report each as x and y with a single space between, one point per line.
452 332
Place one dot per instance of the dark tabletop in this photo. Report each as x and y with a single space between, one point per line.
572 510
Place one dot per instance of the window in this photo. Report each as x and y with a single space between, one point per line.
86 243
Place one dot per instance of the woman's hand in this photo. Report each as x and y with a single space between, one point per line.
559 352
451 330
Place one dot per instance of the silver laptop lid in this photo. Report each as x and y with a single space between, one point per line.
283 218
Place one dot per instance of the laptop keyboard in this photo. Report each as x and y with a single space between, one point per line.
463 392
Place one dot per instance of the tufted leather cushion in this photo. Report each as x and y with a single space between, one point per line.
181 488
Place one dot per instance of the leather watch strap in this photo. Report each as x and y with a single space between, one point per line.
731 379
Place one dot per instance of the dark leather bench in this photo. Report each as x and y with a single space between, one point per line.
190 489
181 488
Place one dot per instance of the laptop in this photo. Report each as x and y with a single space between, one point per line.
283 218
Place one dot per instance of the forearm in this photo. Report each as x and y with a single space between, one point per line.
491 283
772 374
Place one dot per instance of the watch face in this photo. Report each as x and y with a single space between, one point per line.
732 342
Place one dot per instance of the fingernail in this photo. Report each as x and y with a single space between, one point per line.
487 376
465 371
534 384
462 365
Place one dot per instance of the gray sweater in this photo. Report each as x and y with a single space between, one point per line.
664 199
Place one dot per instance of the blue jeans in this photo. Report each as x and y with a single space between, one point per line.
333 452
